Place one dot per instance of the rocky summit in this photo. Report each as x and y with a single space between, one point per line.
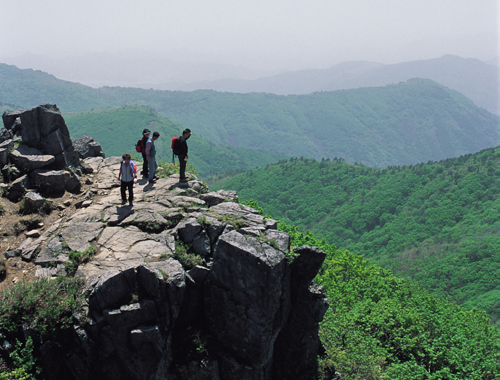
184 284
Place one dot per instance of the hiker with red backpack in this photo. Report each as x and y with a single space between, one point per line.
140 147
180 149
128 174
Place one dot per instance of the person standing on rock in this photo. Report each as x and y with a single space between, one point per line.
151 155
128 174
182 153
145 166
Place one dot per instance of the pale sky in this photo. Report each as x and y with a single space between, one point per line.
270 34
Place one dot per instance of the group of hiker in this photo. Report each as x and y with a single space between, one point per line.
146 146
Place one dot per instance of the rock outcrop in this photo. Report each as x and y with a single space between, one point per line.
182 285
36 143
43 128
87 147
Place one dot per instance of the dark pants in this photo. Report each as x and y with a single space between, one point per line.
145 165
130 186
182 164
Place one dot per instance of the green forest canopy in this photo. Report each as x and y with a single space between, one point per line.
438 223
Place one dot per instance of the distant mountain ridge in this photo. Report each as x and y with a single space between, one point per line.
407 123
475 79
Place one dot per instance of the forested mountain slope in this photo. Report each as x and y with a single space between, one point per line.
438 223
394 125
118 129
379 326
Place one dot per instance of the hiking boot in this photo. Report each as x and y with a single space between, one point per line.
131 204
152 181
123 202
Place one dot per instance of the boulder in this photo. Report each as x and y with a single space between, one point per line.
271 224
9 119
87 147
188 230
5 134
4 156
92 164
52 253
43 128
282 239
212 198
10 173
79 235
33 200
229 195
247 215
28 159
5 148
18 188
33 234
73 183
201 245
49 182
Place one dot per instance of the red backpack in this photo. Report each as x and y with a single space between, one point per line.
174 145
139 147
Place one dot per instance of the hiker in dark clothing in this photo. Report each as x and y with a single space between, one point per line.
145 165
182 153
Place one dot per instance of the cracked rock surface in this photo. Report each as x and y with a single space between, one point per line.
181 285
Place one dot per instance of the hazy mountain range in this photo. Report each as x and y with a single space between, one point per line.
476 79
406 123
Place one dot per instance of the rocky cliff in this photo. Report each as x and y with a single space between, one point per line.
185 284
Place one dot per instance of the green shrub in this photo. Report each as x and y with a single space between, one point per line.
234 221
77 258
13 374
43 305
23 359
187 260
171 168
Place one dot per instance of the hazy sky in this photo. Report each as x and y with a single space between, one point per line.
278 34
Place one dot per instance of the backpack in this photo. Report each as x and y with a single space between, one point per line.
139 147
174 145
